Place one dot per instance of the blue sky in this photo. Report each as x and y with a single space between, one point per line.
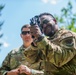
17 13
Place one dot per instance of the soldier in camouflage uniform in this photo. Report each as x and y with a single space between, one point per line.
19 59
59 47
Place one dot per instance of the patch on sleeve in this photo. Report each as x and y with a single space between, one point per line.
67 40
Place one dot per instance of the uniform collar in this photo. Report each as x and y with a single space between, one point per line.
24 48
49 38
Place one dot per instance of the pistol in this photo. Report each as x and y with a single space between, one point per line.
34 20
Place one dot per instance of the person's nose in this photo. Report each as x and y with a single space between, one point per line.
44 25
27 34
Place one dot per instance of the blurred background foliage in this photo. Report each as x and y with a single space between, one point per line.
1 23
67 19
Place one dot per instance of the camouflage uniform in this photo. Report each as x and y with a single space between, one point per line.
60 53
24 56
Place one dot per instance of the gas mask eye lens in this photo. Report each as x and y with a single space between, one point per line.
44 22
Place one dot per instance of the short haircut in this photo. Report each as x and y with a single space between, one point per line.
48 14
25 26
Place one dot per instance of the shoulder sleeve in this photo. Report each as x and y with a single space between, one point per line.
37 72
68 40
5 65
59 53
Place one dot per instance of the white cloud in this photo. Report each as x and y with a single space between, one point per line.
5 44
51 1
3 41
45 1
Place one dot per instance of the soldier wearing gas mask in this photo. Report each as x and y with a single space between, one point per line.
57 45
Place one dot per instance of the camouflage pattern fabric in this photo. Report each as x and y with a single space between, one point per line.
60 53
24 56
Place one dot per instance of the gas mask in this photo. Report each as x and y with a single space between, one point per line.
48 27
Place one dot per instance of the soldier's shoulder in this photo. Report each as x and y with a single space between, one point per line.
66 33
15 50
